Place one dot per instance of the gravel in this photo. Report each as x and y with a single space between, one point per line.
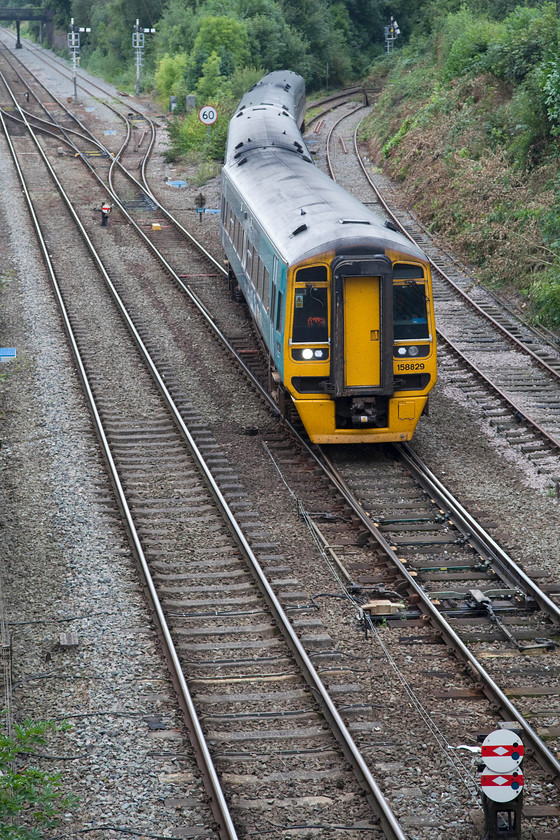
65 570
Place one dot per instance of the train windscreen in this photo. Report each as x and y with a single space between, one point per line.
410 314
311 321
311 314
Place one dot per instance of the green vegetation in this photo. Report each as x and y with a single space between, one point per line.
468 117
30 799
469 121
327 41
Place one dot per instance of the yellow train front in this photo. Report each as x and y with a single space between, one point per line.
342 301
359 348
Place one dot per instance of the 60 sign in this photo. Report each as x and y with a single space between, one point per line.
208 115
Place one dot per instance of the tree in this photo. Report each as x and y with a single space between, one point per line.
176 29
171 76
211 84
29 798
223 33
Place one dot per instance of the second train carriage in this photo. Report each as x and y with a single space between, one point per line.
343 303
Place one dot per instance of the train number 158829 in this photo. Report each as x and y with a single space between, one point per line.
411 366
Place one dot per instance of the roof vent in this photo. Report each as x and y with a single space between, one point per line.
354 222
299 229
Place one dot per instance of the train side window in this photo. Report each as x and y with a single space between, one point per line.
258 276
255 271
231 226
311 314
244 247
236 236
273 302
279 311
410 313
249 260
266 287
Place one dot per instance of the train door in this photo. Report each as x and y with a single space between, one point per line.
362 332
362 303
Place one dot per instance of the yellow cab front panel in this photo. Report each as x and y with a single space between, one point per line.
385 370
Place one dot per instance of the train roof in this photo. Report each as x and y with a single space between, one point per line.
270 114
282 88
303 211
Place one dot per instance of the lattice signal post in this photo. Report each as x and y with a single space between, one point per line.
138 45
74 47
392 32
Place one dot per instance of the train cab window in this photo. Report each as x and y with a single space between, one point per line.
311 314
410 314
407 271
312 274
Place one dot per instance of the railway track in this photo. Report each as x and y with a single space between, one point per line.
174 509
183 528
519 366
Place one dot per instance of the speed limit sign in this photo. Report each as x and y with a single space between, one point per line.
208 115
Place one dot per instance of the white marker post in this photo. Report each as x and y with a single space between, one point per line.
502 781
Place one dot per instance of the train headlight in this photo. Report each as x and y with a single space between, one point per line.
413 351
310 354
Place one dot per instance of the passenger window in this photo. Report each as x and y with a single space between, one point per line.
273 302
279 311
410 314
311 315
266 286
258 275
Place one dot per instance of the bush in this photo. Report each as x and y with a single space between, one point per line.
549 82
29 797
468 40
170 76
545 298
525 38
188 135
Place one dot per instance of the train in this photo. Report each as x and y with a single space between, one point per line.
341 300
